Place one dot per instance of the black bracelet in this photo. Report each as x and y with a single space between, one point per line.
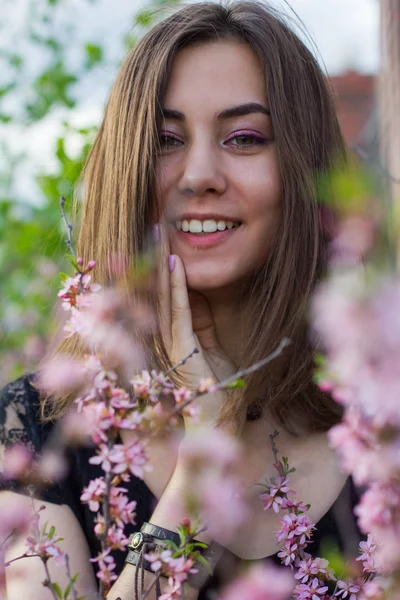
133 558
159 533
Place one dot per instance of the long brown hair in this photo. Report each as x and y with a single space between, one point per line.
118 183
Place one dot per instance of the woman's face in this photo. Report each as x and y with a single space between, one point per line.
218 164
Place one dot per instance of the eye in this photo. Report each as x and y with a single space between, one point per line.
246 140
168 141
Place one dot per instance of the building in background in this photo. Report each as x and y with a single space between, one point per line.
355 98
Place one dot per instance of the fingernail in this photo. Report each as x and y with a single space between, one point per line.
156 233
171 262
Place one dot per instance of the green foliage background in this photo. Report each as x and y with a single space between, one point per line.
32 238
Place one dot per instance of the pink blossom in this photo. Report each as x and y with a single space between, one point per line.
102 458
211 448
116 539
129 458
273 497
367 556
289 553
182 395
106 566
313 590
349 588
293 525
174 592
219 503
374 509
17 461
312 567
53 466
261 582
62 375
16 516
143 387
121 509
41 545
93 494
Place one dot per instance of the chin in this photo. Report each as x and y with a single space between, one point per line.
202 280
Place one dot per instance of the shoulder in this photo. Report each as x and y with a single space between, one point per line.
20 414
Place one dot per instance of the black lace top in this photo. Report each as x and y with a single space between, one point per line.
19 422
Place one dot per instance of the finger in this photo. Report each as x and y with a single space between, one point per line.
163 285
202 321
181 326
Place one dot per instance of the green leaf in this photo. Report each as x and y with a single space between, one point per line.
205 563
94 55
64 277
57 590
144 17
51 533
238 384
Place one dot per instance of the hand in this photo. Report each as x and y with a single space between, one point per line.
186 323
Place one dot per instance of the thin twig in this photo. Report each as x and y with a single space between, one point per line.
73 590
68 226
182 362
48 582
106 515
145 593
275 448
3 543
242 373
19 558
282 345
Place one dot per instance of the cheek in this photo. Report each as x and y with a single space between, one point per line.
166 177
261 190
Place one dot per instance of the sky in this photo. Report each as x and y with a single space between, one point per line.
344 34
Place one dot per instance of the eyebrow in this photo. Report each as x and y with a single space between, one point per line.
229 113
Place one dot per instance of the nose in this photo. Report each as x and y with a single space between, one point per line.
202 171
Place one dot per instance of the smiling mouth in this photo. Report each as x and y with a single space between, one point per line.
205 227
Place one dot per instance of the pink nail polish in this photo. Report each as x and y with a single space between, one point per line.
171 262
156 233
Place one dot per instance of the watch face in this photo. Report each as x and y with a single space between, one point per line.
136 541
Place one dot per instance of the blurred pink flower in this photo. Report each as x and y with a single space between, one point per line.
261 582
210 447
62 375
17 461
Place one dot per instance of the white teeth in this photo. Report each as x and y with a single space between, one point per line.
206 226
210 226
221 225
195 226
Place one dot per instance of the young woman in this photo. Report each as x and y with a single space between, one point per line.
218 123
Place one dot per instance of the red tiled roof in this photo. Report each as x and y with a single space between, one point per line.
354 95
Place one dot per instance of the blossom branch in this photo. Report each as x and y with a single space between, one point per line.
230 380
68 226
70 578
182 362
48 583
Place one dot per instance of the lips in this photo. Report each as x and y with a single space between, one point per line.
205 240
